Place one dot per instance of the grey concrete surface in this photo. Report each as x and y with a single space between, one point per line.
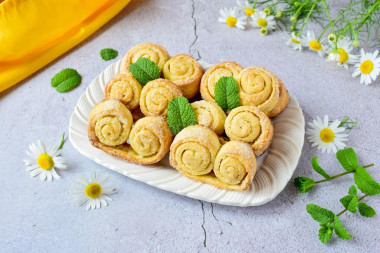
39 216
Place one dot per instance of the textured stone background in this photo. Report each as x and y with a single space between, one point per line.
39 216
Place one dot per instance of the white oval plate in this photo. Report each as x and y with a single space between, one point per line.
274 168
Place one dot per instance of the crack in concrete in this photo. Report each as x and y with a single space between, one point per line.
203 225
191 49
212 212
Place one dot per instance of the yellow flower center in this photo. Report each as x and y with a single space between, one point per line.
327 135
262 22
296 41
93 190
343 55
249 11
315 45
231 21
45 161
366 67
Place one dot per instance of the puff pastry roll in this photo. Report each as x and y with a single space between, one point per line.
185 72
156 96
282 103
213 75
210 114
153 52
126 88
251 125
258 87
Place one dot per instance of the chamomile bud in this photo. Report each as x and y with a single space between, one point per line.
332 37
293 28
293 19
264 31
267 11
279 14
356 43
296 3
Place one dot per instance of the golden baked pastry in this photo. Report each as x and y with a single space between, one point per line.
210 114
126 88
258 87
153 52
213 74
156 96
251 125
185 72
282 103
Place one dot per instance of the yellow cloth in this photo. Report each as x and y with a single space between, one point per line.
33 33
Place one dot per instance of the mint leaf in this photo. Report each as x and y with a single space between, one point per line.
108 54
366 210
353 190
66 80
340 230
304 184
365 182
318 169
350 202
144 70
325 233
180 114
320 214
347 158
227 93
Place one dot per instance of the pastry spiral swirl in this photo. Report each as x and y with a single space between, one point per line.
213 74
110 123
153 52
282 103
258 87
194 150
249 124
235 165
210 114
156 96
126 88
185 72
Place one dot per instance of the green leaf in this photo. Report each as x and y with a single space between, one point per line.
318 169
366 210
340 230
365 182
353 190
227 93
325 233
350 202
108 54
347 158
180 114
320 214
144 70
304 184
66 80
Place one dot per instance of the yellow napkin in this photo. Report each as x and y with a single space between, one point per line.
35 32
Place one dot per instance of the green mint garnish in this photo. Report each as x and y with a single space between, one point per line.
320 214
227 93
144 70
108 54
365 210
365 182
66 80
347 158
180 114
304 184
318 169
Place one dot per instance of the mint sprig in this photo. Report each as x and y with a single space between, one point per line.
180 114
144 70
66 80
108 54
227 93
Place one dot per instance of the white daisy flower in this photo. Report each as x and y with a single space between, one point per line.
342 55
229 16
43 161
295 42
93 192
328 137
260 19
368 67
246 7
313 44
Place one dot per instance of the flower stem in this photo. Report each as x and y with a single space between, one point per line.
342 212
342 174
307 17
62 141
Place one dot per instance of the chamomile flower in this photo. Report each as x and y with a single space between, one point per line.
342 54
246 7
312 43
328 137
368 67
295 42
260 19
92 192
43 161
230 17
